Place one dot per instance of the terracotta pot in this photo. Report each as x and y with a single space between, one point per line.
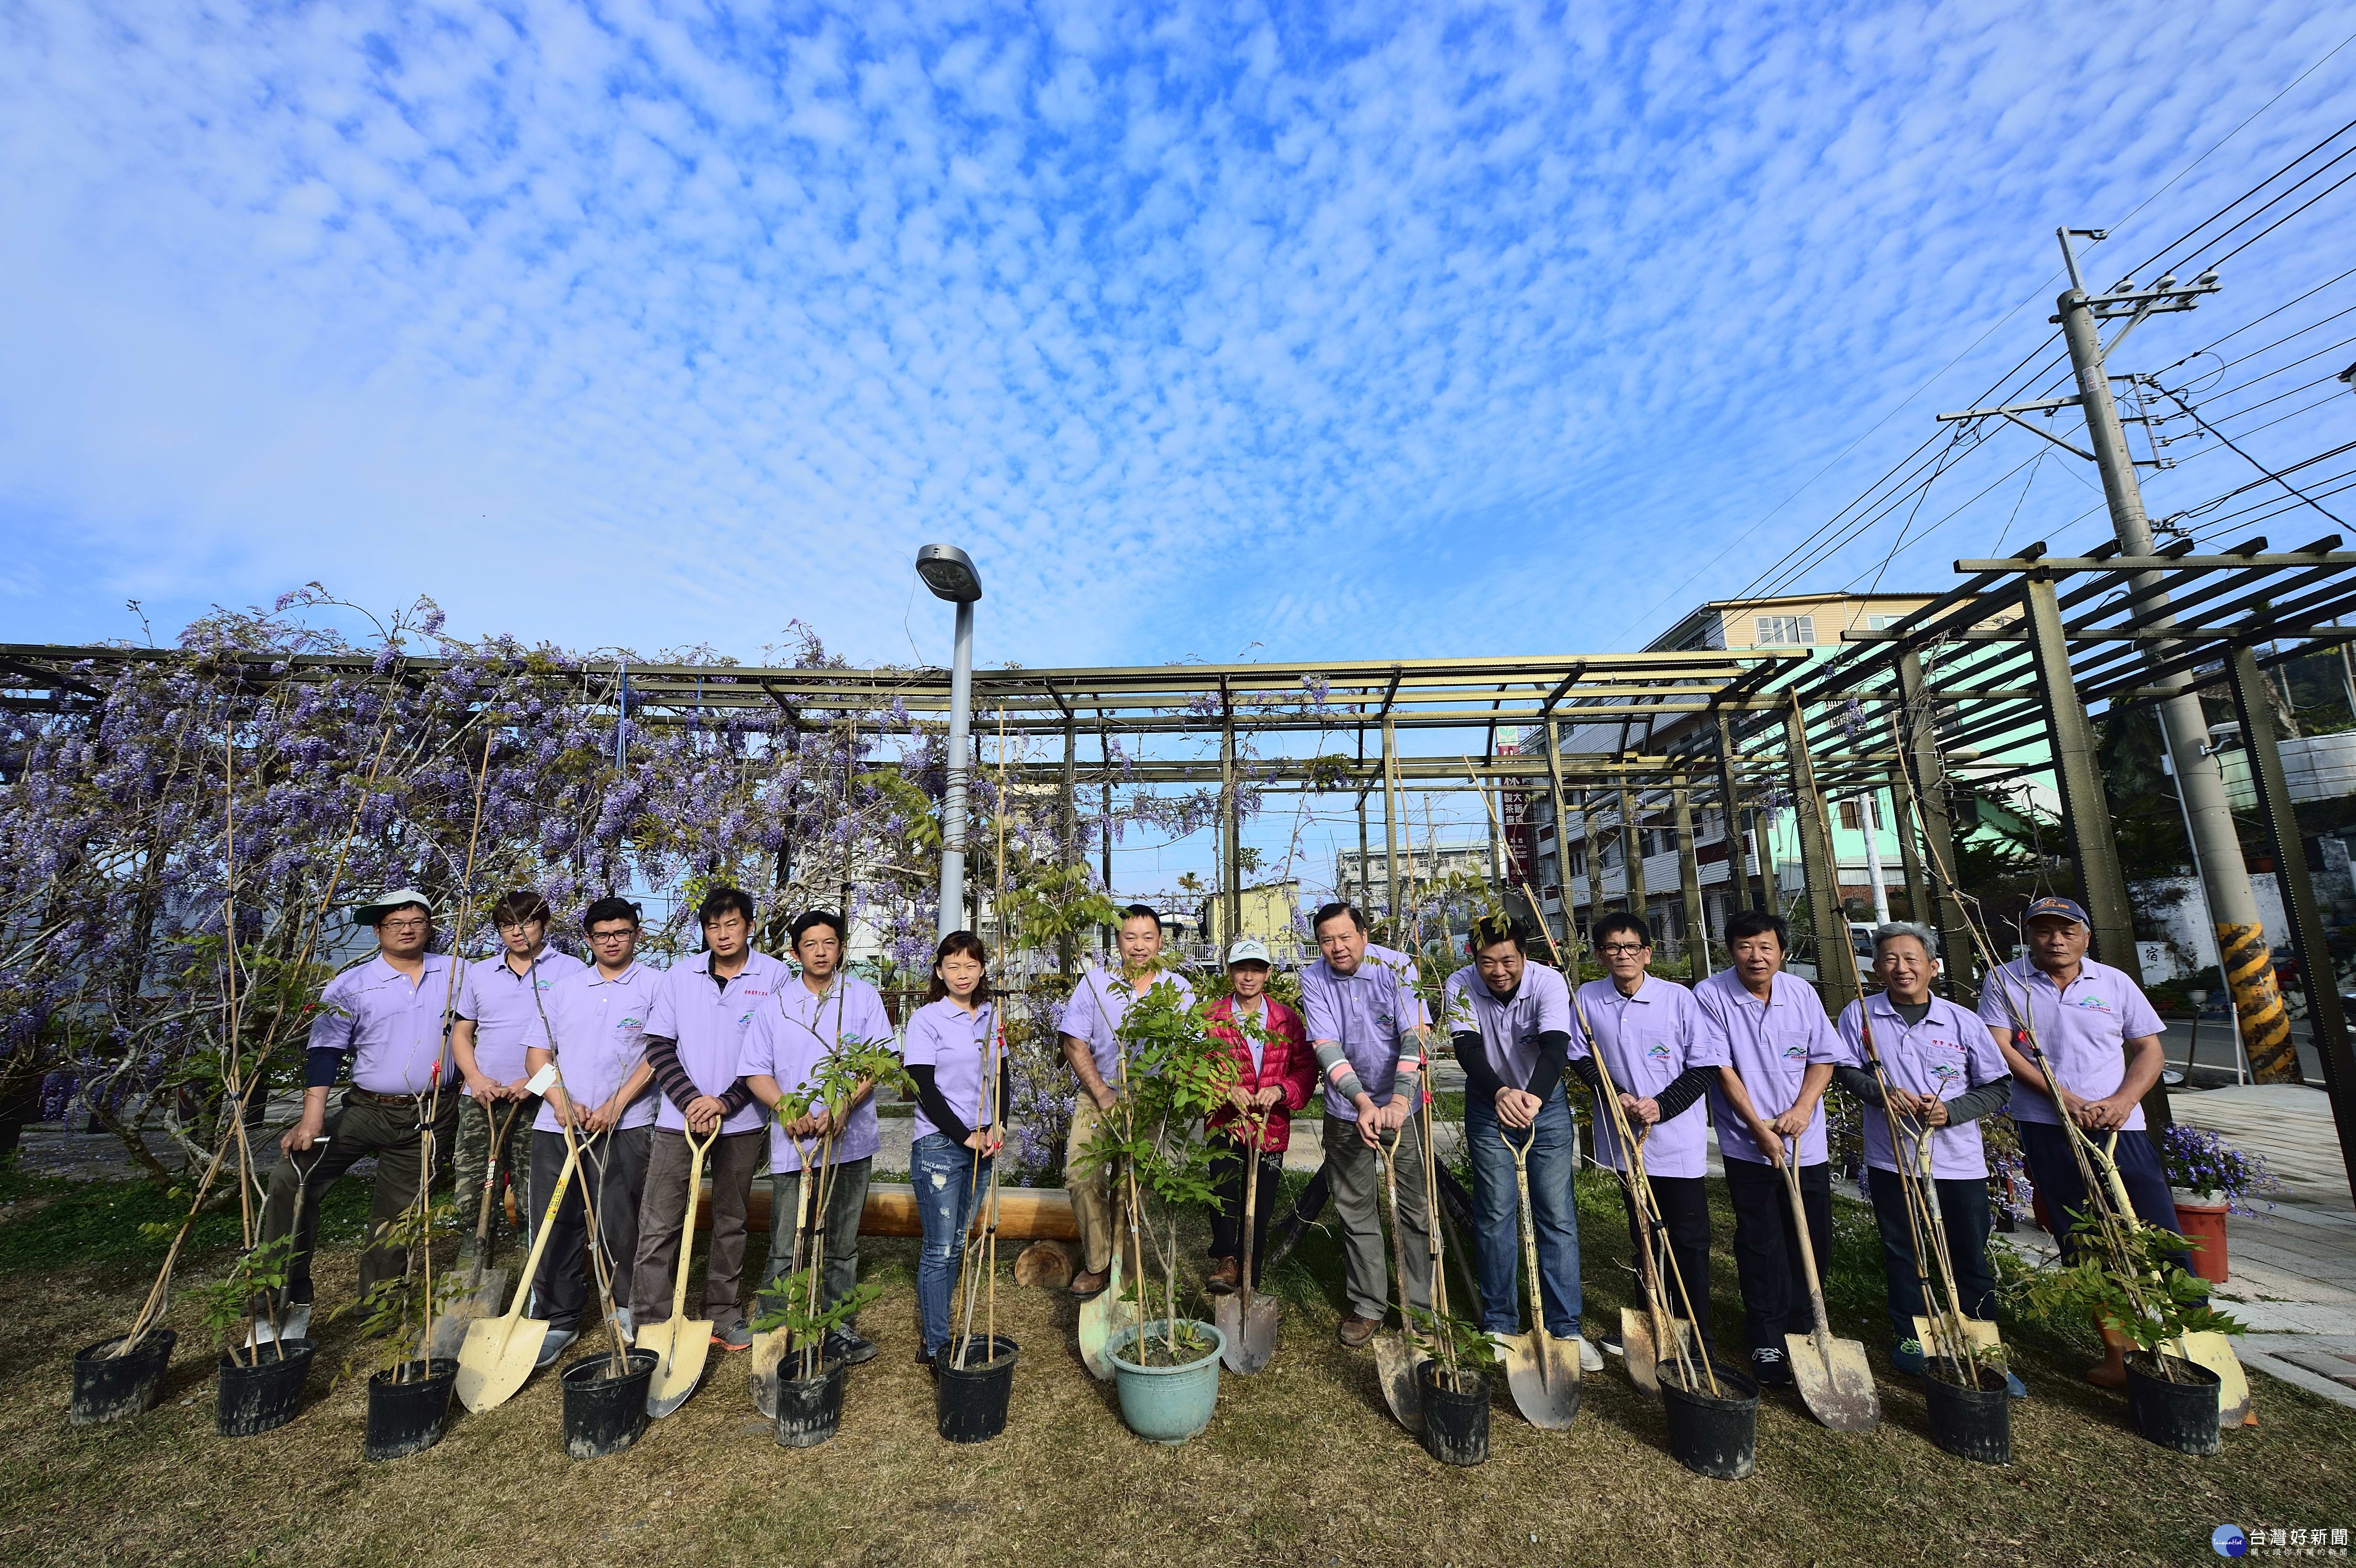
2203 1224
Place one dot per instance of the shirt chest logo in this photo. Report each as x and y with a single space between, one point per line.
2093 1004
1795 1050
1659 1052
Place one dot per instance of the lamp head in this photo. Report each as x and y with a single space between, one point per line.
949 573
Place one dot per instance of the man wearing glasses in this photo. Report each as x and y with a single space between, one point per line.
499 1016
386 1014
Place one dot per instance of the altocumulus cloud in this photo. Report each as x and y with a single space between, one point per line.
1422 330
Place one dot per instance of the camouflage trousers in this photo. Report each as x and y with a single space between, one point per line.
472 1159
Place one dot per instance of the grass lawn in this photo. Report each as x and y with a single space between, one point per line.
1302 1466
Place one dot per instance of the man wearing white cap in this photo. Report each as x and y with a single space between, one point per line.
390 1015
1276 1073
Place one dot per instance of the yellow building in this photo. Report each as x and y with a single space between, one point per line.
1268 914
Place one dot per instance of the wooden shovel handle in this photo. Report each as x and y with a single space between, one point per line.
687 1227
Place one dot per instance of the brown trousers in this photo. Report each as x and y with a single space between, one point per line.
734 1159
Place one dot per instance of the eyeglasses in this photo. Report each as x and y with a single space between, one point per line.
612 935
405 927
1620 949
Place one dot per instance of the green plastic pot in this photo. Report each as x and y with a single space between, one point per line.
1168 1404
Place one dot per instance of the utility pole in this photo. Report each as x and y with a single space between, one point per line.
1233 894
1866 819
2217 847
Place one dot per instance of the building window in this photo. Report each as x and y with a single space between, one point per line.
1882 622
1848 816
1786 630
1579 862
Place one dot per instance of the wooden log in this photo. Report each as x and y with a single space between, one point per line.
1025 1213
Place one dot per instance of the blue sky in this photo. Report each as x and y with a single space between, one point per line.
1211 331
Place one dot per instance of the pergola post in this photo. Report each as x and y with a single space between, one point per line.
1690 880
1835 981
2317 972
1930 803
1561 845
1738 827
1632 851
1231 835
1910 855
1390 832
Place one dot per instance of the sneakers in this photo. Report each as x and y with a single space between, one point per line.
1224 1276
1906 1355
1355 1330
1769 1366
552 1345
849 1346
1610 1340
2014 1386
1591 1359
735 1336
623 1329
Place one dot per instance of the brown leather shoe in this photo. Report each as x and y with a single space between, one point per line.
1224 1276
1085 1285
1356 1330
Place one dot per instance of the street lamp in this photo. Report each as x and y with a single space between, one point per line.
949 573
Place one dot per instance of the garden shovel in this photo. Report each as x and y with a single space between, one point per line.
769 1349
1248 1319
1642 1348
1103 1319
680 1343
1933 1333
1541 1372
486 1287
499 1353
1836 1383
1395 1354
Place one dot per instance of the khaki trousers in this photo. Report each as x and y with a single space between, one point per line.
1093 1210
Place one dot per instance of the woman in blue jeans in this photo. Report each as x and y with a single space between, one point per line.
951 1045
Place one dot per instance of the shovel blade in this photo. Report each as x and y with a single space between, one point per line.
2215 1352
1543 1379
680 1348
1394 1362
1102 1318
450 1330
1644 1357
1836 1383
1978 1332
768 1353
1228 1317
497 1356
1259 1335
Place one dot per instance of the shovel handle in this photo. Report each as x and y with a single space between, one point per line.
686 1226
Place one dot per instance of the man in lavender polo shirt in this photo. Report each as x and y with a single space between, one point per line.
1365 1024
1089 1026
498 1017
2101 1039
1779 1052
388 1014
783 1046
1650 1033
1944 1074
695 1039
594 1031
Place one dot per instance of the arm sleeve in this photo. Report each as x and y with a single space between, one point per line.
1583 1069
937 1108
1480 1079
1971 1106
738 1095
1329 1055
320 1066
1687 1087
331 1036
1861 1084
1553 1047
662 1056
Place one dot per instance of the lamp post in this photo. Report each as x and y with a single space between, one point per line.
949 572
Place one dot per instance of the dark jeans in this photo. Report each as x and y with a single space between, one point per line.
1552 1156
2046 1148
1227 1167
789 1201
1684 1214
612 1169
949 1178
1964 1215
358 1129
1767 1246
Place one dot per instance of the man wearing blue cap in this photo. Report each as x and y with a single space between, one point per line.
2099 1040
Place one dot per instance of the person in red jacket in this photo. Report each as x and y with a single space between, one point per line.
1276 1073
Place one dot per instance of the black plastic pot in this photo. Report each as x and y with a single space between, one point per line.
405 1418
1455 1422
1712 1434
108 1387
1970 1412
970 1406
809 1409
2181 1415
265 1396
603 1414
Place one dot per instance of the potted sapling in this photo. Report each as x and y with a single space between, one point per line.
2130 1281
258 1386
1165 1367
809 1387
1454 1383
409 1387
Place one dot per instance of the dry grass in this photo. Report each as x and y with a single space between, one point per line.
1302 1466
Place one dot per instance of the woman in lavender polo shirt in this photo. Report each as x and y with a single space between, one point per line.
960 1119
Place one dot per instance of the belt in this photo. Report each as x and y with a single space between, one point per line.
374 1098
